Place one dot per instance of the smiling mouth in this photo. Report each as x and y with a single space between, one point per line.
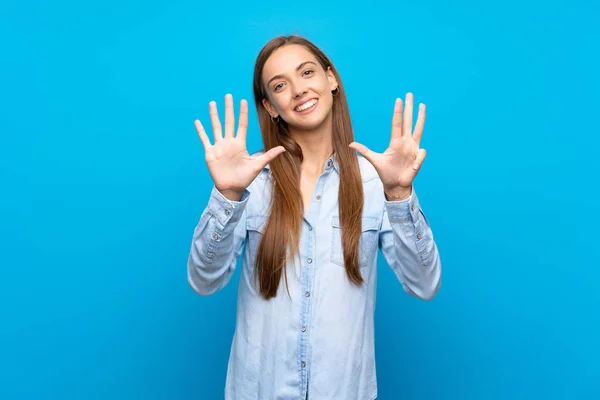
306 106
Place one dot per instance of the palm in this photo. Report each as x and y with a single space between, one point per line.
395 164
229 163
399 164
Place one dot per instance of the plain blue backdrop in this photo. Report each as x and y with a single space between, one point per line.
103 180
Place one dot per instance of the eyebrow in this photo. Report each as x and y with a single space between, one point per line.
298 68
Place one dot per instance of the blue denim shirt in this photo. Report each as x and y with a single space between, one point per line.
319 343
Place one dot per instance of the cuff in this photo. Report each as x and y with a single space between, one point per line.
225 210
404 210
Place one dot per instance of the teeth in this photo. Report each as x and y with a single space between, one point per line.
306 105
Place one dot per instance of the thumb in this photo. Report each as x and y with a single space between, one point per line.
267 157
419 160
364 151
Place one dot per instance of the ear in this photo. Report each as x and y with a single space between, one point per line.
270 109
333 83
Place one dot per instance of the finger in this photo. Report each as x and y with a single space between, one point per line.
202 134
267 157
397 119
229 117
214 119
364 151
407 118
419 160
420 123
243 123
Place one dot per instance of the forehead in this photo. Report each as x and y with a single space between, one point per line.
285 59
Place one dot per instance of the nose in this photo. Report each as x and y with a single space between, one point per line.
299 90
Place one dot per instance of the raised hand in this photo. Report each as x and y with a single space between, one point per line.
229 163
399 164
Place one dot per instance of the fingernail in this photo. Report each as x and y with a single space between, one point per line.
415 166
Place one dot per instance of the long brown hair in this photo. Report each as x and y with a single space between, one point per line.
287 208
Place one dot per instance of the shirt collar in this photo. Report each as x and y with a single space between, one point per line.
331 162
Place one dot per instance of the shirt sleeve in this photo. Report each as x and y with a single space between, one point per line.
406 242
217 243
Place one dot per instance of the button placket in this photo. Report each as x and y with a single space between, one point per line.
308 274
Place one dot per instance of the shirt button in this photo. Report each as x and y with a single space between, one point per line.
418 236
307 294
303 329
216 237
412 207
310 228
226 212
318 197
303 364
310 260
329 163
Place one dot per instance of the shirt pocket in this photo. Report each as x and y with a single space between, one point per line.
367 243
255 228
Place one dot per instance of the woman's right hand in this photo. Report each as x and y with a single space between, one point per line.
229 163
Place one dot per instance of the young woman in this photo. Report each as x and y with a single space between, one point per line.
310 216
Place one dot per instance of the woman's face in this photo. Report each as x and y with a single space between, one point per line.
298 88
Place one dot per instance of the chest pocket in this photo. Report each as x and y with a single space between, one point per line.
368 241
255 228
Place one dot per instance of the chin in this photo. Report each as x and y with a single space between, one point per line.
307 126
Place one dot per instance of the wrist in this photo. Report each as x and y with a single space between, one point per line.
397 193
231 195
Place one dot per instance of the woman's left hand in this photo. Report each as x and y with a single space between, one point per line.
399 164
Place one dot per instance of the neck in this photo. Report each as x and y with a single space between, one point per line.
316 145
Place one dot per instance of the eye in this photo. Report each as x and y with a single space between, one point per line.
308 72
278 86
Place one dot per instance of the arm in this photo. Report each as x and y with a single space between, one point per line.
407 244
221 232
405 239
217 243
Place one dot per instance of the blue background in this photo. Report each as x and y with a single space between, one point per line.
103 180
